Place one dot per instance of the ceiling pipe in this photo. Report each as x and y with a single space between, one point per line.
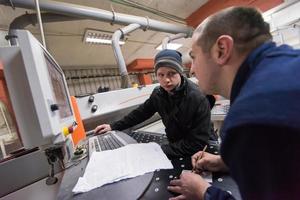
170 38
101 15
120 33
22 21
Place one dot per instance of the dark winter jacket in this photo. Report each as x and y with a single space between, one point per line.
185 114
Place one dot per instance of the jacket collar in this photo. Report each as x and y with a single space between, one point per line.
247 66
179 90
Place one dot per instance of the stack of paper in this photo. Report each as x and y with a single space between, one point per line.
126 162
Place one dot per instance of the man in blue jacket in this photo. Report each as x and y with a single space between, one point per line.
233 56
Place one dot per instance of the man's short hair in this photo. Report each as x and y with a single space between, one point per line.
244 24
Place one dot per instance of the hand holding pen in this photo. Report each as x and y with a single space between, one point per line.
197 157
203 161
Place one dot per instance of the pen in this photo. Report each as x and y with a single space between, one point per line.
198 158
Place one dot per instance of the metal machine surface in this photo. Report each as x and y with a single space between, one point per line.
110 106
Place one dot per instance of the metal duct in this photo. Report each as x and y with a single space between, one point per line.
22 21
125 80
170 38
102 15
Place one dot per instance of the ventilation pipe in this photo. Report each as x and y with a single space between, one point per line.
86 12
24 20
170 38
125 79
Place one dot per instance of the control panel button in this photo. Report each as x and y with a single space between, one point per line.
54 107
94 108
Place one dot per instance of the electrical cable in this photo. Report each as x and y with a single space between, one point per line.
155 10
150 10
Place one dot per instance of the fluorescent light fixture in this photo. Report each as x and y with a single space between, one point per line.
173 46
92 36
100 41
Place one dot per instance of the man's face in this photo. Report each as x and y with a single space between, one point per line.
203 67
168 78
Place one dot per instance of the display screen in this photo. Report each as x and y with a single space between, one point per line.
59 89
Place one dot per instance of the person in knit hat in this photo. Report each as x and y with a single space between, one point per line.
184 110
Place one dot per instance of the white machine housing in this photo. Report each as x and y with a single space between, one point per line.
38 91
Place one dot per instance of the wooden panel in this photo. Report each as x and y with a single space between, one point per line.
140 64
145 79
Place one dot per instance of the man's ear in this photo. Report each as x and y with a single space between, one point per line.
222 49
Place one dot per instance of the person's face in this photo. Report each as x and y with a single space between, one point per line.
203 67
168 78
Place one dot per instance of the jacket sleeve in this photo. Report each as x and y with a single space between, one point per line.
140 114
198 134
264 160
213 193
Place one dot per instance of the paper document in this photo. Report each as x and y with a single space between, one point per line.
126 162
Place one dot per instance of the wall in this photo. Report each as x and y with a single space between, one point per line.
285 23
83 82
3 42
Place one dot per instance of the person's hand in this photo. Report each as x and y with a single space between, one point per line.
203 161
102 129
190 186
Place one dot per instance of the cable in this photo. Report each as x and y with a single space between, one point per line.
12 5
149 9
154 10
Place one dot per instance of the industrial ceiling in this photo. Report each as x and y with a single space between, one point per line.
65 39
